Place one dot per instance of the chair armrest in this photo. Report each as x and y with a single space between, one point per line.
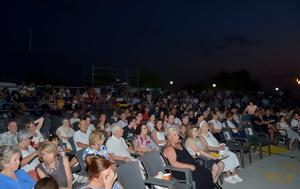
262 135
187 172
240 139
160 182
285 131
234 143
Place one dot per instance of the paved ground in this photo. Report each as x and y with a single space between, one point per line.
278 171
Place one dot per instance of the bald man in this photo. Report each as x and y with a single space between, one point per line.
10 137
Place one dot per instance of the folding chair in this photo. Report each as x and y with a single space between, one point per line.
153 163
237 145
135 180
259 139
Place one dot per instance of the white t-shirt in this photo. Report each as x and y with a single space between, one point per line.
122 123
91 127
236 118
68 132
81 137
216 124
150 126
177 121
39 138
231 125
8 138
32 165
117 147
74 120
295 123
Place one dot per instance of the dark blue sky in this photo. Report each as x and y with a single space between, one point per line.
183 40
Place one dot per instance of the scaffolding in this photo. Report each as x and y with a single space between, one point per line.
101 76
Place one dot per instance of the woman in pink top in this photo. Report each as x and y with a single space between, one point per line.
143 142
251 108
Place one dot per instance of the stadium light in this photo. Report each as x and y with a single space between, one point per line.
171 82
214 85
276 89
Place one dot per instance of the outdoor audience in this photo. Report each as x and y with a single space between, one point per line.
187 128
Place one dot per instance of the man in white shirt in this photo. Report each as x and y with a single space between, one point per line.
117 146
296 121
74 118
81 137
10 137
122 122
64 132
170 122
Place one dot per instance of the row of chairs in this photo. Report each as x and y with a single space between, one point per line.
152 162
243 145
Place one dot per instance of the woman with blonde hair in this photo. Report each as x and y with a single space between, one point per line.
179 157
11 177
56 166
96 146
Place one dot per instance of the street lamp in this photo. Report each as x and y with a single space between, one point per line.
276 89
171 82
214 85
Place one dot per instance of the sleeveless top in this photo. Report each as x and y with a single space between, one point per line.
201 175
58 174
183 156
211 140
197 143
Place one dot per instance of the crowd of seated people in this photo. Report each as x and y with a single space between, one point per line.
186 129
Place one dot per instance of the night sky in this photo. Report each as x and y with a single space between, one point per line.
182 40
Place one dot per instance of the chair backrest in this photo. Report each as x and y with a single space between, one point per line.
248 130
227 134
129 175
153 163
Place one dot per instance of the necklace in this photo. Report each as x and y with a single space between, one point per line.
51 170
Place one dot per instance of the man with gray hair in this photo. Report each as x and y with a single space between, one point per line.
117 146
10 137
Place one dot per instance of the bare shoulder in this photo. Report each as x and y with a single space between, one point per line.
169 150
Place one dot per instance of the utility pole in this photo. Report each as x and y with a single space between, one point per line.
93 75
30 39
138 77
